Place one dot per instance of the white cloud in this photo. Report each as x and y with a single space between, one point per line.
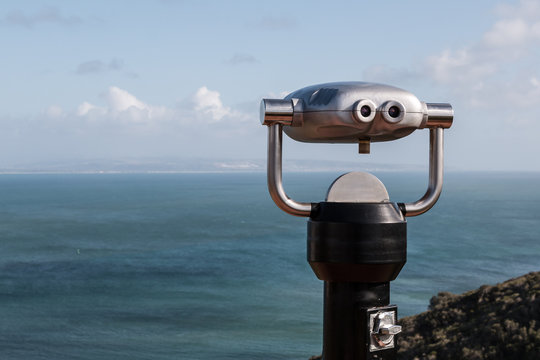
494 69
516 29
203 107
86 108
54 112
524 95
119 123
493 83
124 107
498 67
509 32
121 100
528 9
209 102
124 125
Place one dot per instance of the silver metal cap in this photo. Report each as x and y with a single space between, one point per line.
438 115
274 111
357 187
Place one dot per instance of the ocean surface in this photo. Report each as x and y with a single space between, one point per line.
205 266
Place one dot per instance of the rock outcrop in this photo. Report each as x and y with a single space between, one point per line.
492 322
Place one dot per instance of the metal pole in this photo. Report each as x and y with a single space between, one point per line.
346 333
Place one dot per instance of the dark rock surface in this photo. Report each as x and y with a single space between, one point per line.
492 322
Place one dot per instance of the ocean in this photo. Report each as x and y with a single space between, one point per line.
205 266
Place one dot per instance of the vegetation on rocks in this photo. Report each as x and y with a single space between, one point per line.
492 322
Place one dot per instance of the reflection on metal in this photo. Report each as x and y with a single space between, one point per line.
347 111
383 328
276 111
357 187
439 115
364 146
275 184
435 176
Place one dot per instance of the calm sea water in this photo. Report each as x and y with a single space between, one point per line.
204 266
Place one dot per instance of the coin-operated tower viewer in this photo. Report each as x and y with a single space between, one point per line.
356 238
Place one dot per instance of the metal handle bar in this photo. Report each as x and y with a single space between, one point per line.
275 184
433 192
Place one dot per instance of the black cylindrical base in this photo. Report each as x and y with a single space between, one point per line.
346 319
357 242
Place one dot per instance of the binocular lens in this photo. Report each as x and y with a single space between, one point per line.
365 111
394 111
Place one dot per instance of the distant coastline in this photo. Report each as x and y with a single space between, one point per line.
204 166
178 166
211 166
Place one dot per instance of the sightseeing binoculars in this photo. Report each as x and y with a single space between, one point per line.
353 112
357 238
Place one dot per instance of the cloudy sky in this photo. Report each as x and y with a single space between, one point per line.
183 79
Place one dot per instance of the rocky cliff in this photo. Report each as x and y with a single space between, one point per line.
492 322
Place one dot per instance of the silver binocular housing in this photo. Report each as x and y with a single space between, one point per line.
353 112
349 112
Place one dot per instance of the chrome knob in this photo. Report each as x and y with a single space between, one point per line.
383 328
390 329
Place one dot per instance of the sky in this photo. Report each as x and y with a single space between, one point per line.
165 79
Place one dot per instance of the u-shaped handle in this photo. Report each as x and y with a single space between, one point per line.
433 192
274 174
